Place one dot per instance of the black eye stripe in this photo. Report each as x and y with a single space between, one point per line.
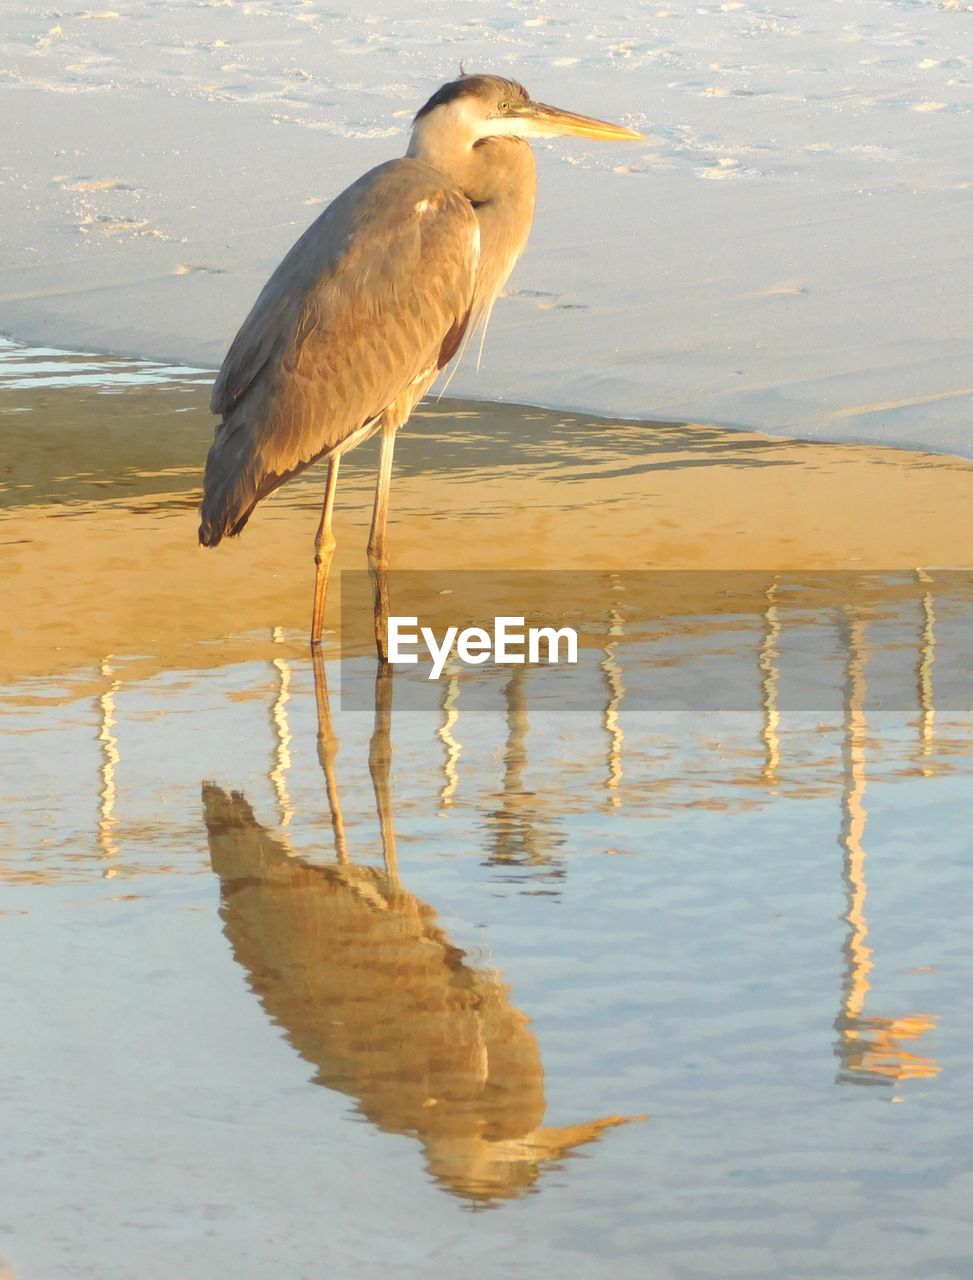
473 84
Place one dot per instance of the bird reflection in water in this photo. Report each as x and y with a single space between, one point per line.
369 989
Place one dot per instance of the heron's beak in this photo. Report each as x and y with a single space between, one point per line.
543 121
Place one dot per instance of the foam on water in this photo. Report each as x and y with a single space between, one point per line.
26 368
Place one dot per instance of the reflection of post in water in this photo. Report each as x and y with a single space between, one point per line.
927 656
109 760
282 733
612 671
371 992
870 1048
519 834
445 734
769 686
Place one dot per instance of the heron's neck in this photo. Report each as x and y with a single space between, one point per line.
494 169
499 178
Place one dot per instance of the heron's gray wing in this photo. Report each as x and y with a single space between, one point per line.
371 300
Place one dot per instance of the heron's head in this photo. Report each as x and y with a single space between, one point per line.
475 107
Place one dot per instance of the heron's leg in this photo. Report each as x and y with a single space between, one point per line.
327 750
324 545
378 555
380 767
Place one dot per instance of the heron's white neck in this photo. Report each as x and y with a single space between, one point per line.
444 137
457 142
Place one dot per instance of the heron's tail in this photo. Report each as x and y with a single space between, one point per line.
236 478
229 485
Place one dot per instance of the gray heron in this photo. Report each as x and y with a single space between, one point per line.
373 300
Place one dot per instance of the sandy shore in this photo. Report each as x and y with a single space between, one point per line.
99 530
788 250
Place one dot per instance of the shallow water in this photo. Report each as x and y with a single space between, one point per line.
653 965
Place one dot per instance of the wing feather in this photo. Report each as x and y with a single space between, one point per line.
374 296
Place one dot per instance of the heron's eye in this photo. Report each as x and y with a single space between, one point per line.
504 106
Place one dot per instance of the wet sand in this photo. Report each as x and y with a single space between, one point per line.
100 496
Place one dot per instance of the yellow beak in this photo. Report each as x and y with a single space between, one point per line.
547 122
